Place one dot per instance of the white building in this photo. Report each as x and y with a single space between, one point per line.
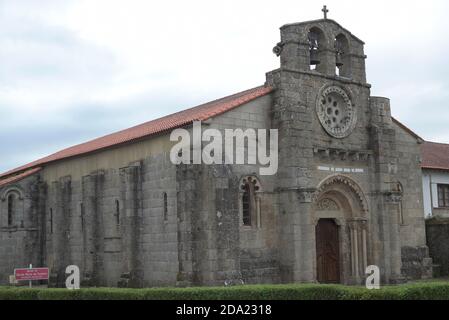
435 168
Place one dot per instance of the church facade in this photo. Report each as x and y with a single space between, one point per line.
347 193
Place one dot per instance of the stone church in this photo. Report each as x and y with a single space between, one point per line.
347 194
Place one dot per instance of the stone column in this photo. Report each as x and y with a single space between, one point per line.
359 254
131 196
304 242
383 142
92 229
42 223
393 203
187 179
327 64
61 229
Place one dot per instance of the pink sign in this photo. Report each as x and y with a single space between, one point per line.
31 274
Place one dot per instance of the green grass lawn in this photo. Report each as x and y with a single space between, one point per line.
422 290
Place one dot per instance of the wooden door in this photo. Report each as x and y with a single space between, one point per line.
327 252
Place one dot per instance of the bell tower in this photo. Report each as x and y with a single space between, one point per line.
325 116
322 46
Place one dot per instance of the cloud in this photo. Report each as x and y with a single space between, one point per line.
74 70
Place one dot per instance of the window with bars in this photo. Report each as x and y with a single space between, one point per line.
117 212
11 208
250 203
246 203
443 195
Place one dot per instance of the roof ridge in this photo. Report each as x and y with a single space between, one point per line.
19 176
178 119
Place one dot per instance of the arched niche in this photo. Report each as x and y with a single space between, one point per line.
250 190
342 56
12 207
317 46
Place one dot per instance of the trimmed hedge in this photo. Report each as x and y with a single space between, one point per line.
419 291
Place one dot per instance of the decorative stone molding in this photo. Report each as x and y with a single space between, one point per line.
250 179
342 154
335 111
15 189
361 223
395 194
305 195
339 222
393 197
347 181
327 204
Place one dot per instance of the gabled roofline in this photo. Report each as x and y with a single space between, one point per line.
323 20
148 129
403 126
18 177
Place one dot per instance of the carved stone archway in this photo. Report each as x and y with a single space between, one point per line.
341 199
345 182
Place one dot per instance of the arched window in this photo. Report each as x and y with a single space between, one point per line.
117 212
250 202
12 204
342 58
165 206
247 204
12 197
316 46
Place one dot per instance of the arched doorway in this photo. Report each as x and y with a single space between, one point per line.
327 251
341 231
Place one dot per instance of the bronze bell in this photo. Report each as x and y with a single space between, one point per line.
314 59
338 61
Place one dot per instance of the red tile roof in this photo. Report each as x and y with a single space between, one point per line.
176 120
17 177
435 156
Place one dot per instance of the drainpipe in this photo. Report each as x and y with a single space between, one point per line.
431 194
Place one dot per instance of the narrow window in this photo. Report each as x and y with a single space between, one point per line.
443 195
316 40
246 204
51 221
11 208
117 212
165 207
251 215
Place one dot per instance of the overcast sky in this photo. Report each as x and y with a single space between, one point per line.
71 71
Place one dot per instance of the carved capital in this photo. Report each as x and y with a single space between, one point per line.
393 196
305 195
358 224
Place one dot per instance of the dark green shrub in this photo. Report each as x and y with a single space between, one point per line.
419 291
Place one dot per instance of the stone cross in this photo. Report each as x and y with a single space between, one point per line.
325 11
